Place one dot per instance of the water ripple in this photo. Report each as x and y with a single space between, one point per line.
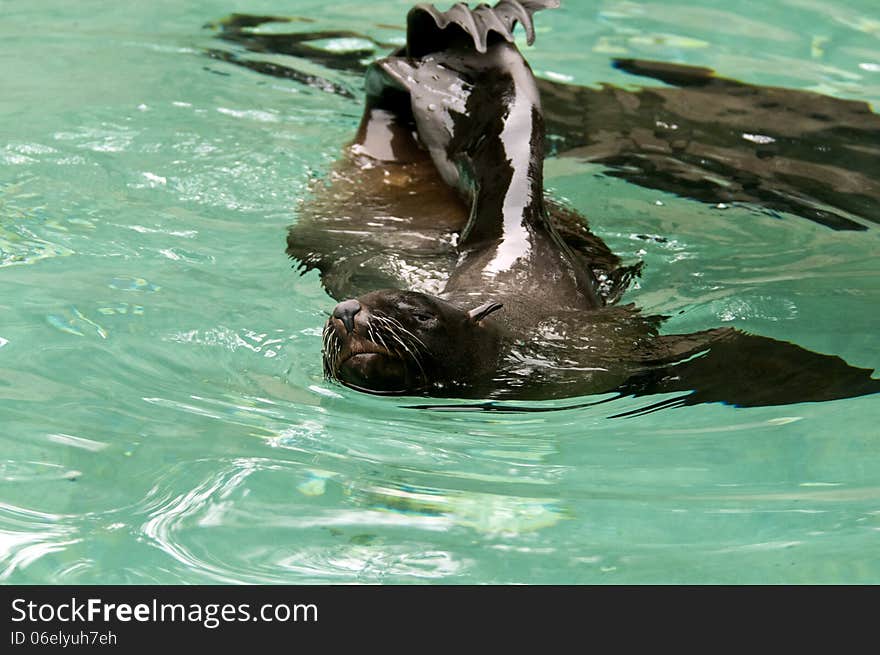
183 524
27 536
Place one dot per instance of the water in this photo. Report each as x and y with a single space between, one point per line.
164 414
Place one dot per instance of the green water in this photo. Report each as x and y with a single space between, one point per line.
164 417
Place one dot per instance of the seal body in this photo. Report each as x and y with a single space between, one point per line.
505 293
468 101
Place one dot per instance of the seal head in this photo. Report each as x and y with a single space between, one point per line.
404 342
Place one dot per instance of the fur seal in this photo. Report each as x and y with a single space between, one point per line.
699 136
507 294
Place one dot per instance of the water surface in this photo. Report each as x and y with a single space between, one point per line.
164 415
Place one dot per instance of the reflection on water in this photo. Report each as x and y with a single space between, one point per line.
705 137
164 415
28 536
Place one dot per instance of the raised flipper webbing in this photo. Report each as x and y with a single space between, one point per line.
427 26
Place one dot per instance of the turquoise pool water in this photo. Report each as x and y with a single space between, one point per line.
164 417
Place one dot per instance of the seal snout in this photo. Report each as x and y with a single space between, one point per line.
345 312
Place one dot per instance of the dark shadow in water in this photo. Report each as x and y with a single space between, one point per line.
703 137
284 72
722 141
741 369
748 370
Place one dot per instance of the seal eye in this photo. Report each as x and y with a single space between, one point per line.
423 318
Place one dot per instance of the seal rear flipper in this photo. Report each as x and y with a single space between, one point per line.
430 30
730 366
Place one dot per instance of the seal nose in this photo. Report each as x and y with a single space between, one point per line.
345 312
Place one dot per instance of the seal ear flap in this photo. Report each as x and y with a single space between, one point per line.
479 313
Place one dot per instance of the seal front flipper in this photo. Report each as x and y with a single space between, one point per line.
461 89
409 77
477 111
745 370
430 30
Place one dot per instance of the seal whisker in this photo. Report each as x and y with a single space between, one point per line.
376 337
329 351
412 346
399 326
394 327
